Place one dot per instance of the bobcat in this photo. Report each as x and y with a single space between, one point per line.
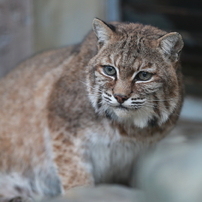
80 115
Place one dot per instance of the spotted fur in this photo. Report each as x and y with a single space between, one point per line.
64 122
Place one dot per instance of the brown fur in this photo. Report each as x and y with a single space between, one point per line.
53 117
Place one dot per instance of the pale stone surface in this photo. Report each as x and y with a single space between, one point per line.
104 193
172 172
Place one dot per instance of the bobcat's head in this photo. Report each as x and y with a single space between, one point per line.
135 76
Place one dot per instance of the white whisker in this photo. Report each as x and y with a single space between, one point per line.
162 100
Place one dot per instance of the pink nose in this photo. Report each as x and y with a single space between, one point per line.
120 98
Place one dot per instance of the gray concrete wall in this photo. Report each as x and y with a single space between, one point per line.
16 33
31 26
64 22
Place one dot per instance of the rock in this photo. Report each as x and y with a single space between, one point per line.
103 193
172 172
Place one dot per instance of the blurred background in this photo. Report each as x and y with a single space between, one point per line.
31 26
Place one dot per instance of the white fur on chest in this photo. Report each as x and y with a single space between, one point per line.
112 160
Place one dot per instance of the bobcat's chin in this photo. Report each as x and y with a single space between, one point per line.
140 117
123 115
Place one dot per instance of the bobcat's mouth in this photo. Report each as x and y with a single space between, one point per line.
121 107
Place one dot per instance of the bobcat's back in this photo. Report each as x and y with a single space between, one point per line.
25 142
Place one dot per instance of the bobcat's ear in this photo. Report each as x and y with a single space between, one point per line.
171 44
102 30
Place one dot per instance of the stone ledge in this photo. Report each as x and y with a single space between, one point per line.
102 193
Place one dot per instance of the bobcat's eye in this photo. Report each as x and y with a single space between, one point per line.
143 76
109 70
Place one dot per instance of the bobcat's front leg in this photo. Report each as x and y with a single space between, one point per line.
73 168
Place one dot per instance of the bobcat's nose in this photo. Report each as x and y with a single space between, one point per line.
121 98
